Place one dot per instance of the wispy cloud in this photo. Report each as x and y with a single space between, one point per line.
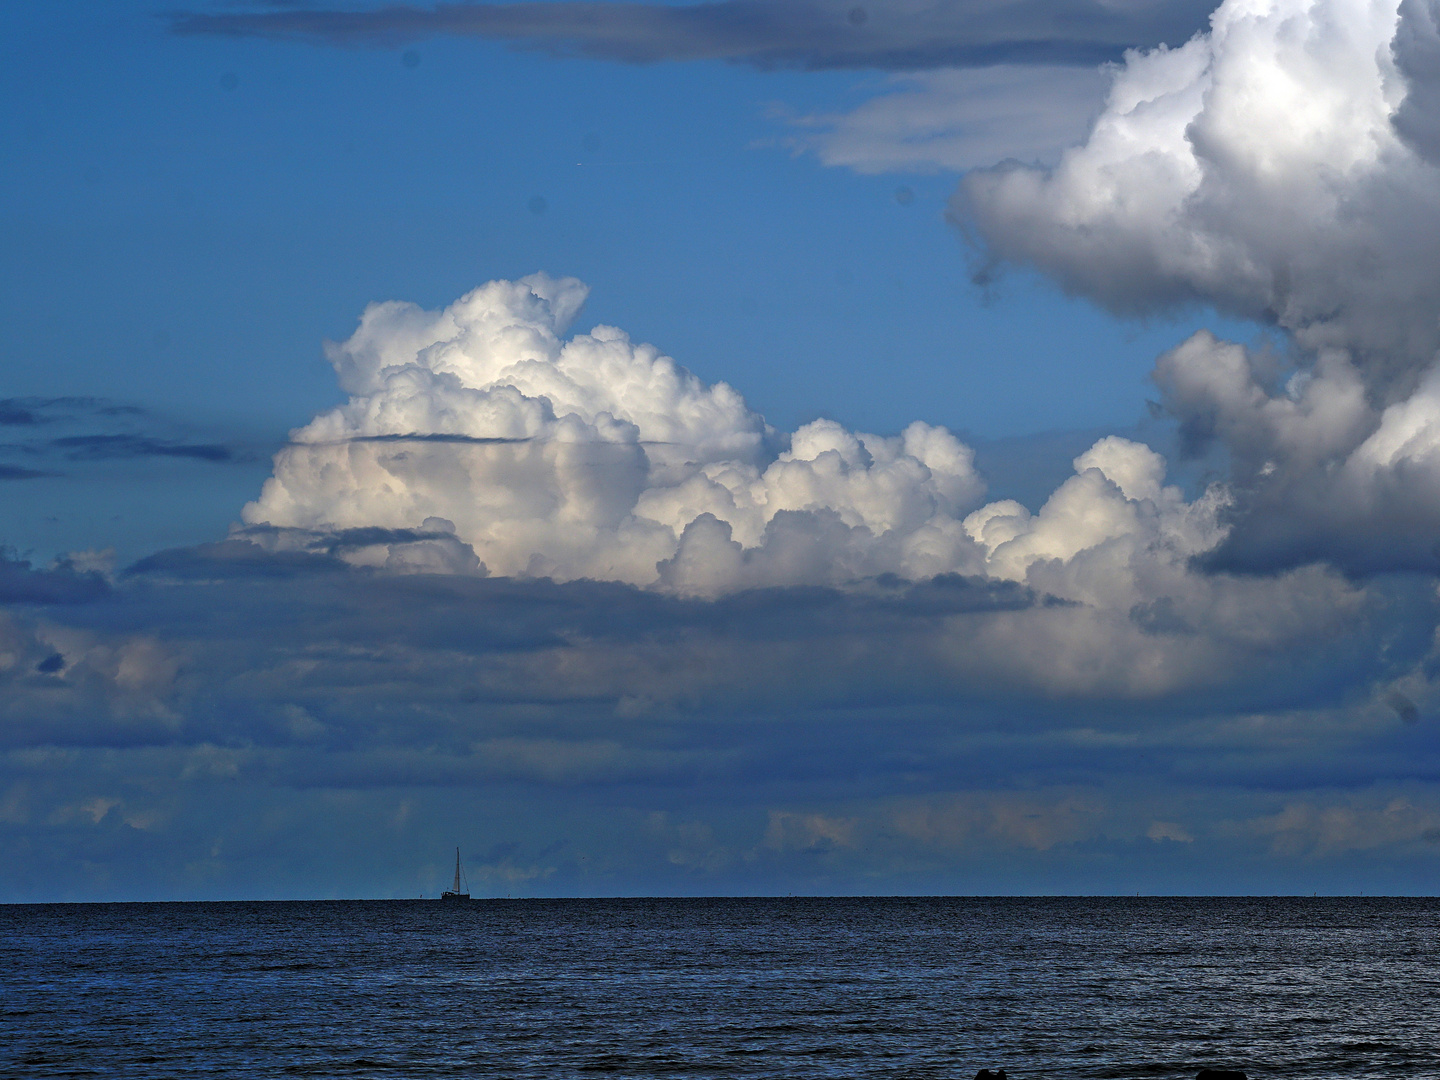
86 429
33 411
955 120
104 447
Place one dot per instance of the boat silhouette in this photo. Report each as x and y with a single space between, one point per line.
455 892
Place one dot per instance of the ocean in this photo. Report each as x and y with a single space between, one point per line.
786 988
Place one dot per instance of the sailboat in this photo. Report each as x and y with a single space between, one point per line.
454 893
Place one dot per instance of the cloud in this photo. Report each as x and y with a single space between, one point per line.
1256 168
1168 830
104 447
62 682
1416 49
1278 168
19 472
1036 821
14 414
555 584
521 561
1356 824
34 411
1319 471
598 457
406 677
957 119
63 583
94 430
406 672
550 596
980 82
826 34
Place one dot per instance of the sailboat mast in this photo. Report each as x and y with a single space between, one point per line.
457 870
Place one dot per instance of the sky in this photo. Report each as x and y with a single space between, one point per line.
738 447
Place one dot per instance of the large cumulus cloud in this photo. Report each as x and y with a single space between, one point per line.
1278 167
595 457
1255 167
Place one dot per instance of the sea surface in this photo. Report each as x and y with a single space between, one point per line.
938 987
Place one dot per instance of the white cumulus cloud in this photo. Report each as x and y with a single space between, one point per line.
597 457
1255 167
1282 167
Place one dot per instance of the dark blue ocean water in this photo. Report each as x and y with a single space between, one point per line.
1144 988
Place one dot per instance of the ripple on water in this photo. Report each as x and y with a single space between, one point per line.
854 988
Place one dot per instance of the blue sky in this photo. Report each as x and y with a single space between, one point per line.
721 647
187 218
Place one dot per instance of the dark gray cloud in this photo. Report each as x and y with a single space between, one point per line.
1317 473
21 583
440 437
232 559
13 413
828 34
1280 521
1417 55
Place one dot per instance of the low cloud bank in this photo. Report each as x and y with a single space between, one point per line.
222 713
